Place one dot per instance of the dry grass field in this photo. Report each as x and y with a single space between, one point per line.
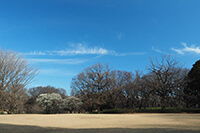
100 123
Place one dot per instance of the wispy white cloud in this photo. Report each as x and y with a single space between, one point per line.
62 61
127 54
81 49
59 61
160 51
34 53
56 72
191 49
179 51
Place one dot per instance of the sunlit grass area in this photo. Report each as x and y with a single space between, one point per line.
111 123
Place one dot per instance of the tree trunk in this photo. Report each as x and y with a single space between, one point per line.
98 109
98 103
163 104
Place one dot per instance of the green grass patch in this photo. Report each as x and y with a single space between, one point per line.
168 110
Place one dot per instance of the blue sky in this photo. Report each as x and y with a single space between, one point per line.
62 37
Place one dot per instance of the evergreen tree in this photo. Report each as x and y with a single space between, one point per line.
192 89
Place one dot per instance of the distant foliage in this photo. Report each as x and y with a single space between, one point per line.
51 103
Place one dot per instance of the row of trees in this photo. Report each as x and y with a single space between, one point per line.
167 84
15 75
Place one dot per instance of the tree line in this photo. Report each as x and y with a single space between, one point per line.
167 84
99 87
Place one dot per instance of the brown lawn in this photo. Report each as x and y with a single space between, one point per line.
98 123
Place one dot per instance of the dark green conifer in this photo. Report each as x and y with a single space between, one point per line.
192 89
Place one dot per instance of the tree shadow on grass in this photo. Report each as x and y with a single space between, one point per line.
7 128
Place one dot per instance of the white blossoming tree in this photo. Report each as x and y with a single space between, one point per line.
72 104
51 103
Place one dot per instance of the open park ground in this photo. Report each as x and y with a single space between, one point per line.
100 123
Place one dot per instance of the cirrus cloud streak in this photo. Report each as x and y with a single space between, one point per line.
81 49
186 49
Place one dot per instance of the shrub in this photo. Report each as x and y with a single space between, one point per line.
126 110
94 112
168 110
149 110
112 111
191 110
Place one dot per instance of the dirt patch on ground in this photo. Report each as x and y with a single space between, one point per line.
99 123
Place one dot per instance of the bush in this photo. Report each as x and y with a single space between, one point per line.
126 110
148 110
158 110
191 110
168 110
94 112
112 111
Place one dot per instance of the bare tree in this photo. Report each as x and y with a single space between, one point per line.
132 90
147 93
115 91
15 74
123 89
165 79
91 84
13 100
177 99
36 91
